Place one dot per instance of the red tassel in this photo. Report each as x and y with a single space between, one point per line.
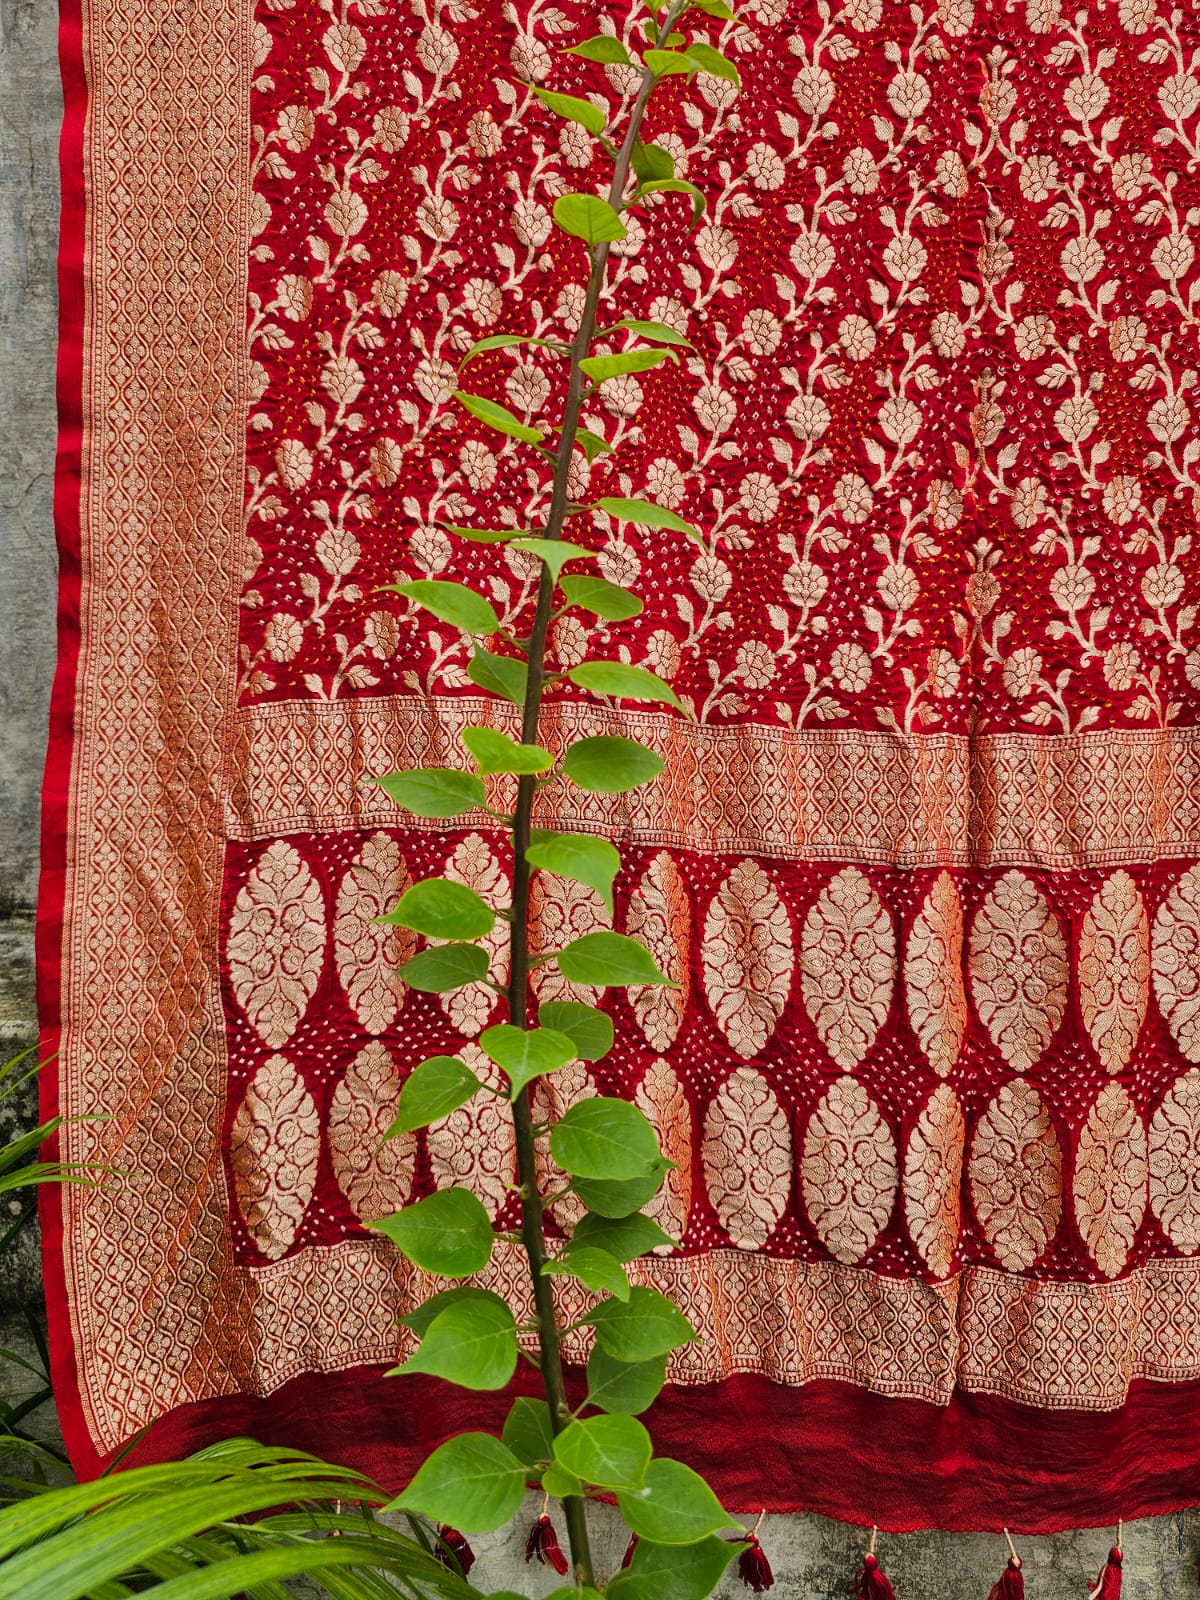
629 1549
753 1567
542 1545
872 1583
1108 1584
1012 1584
456 1545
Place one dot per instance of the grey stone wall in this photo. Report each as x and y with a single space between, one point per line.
814 1559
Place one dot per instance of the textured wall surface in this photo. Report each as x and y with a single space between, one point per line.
814 1560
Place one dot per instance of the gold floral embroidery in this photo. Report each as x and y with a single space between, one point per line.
469 1009
376 1179
933 975
847 966
1016 1176
560 911
273 1150
474 1146
276 943
747 1158
933 1179
1110 1178
661 1097
848 1174
747 958
1176 962
1114 970
1174 1160
1018 969
367 953
660 915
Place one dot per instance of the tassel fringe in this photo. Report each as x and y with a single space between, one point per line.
453 1543
542 1545
871 1582
1108 1584
629 1549
753 1567
1012 1584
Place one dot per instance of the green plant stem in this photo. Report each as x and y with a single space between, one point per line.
532 1204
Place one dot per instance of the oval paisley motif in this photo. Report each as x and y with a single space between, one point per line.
1114 970
475 1145
847 966
849 1172
276 943
1018 965
746 1155
1176 962
560 911
274 1147
1016 1176
1110 1179
473 863
550 1098
661 1100
933 976
367 953
933 1179
1174 1159
660 915
747 958
376 1179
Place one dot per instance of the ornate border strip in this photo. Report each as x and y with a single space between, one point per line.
1060 801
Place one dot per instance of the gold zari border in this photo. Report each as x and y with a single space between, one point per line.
1058 801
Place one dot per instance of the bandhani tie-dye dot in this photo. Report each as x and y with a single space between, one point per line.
925 862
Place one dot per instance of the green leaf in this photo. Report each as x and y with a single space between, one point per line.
434 791
558 1481
673 1572
599 368
608 961
655 330
496 752
622 683
589 1029
528 1431
713 62
498 417
652 161
674 1506
578 856
554 552
434 1089
592 444
506 341
601 598
572 109
472 1343
526 1053
628 1387
446 966
601 48
645 514
627 1238
608 764
612 1452
595 1269
421 1318
604 1138
473 1481
617 1199
644 1326
664 63
571 1592
587 217
502 675
448 1233
677 186
713 8
442 909
482 535
453 603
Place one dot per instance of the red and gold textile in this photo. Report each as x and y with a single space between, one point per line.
926 857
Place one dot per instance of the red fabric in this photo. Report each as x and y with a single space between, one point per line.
836 1447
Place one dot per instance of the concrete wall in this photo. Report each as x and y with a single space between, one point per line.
814 1560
